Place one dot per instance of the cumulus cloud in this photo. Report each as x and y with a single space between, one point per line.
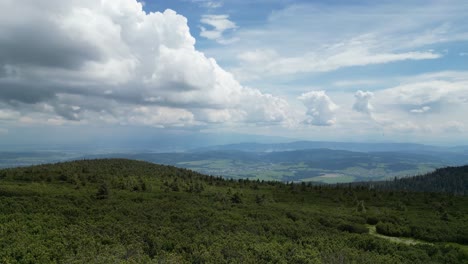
362 102
426 103
109 61
219 24
320 108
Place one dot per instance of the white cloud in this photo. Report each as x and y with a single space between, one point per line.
258 56
350 83
95 61
454 127
429 103
421 110
160 116
264 63
320 108
219 24
362 102
209 3
315 38
213 4
6 114
102 61
427 92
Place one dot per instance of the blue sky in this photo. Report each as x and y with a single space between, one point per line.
317 70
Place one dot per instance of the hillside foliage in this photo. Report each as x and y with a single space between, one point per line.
125 211
453 180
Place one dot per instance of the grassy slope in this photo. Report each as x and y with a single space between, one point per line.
161 214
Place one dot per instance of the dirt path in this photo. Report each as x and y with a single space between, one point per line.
411 241
403 240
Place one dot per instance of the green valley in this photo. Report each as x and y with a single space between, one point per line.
303 165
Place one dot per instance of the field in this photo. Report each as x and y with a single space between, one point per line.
302 171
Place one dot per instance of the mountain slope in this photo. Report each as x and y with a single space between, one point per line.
116 210
452 180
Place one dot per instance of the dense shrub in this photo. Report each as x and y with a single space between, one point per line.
146 213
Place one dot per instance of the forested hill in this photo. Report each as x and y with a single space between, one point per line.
111 171
125 211
452 180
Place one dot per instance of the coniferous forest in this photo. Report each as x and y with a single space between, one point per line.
124 211
453 180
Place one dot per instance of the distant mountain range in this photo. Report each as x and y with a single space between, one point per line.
350 146
320 165
300 161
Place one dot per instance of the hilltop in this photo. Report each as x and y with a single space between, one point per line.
453 180
127 211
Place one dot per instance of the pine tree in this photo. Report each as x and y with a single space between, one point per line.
103 191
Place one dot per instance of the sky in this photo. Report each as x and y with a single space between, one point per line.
370 71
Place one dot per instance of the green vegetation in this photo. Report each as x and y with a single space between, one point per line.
452 180
404 240
331 178
124 211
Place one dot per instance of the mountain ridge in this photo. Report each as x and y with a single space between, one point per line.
335 145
